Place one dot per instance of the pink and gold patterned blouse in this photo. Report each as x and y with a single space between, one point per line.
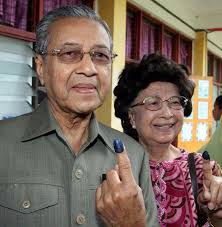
173 191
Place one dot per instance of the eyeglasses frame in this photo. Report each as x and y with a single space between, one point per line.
166 100
56 51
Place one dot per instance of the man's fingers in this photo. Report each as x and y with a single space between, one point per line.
125 171
124 165
113 178
99 193
117 168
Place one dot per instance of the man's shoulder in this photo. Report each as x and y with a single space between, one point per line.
128 141
14 127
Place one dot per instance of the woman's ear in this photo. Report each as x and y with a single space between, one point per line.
132 118
39 62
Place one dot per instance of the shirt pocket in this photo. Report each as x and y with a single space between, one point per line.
22 204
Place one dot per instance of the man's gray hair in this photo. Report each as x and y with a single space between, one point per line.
81 11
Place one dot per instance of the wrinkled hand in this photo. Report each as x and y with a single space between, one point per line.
211 196
119 200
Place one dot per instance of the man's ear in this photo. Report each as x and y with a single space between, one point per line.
39 62
132 118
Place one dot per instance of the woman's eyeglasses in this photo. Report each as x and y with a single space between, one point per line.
73 54
154 103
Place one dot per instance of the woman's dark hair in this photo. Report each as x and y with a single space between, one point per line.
185 68
138 76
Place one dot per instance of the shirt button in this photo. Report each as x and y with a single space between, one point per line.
80 219
78 173
26 204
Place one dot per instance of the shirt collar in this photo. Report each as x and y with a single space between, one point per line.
97 130
42 122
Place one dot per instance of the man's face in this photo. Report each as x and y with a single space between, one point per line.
216 112
80 87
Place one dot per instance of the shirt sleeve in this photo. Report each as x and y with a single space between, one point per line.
146 186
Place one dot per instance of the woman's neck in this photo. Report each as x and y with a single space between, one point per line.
162 152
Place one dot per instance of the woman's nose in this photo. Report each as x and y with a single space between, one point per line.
167 111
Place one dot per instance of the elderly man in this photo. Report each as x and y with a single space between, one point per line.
52 160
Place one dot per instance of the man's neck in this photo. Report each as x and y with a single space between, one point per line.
75 127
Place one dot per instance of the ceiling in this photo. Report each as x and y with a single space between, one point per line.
199 14
208 13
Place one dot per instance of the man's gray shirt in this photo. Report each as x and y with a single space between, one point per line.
42 182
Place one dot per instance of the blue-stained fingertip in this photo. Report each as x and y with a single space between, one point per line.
206 155
103 177
118 146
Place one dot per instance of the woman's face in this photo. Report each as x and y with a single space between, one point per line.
160 126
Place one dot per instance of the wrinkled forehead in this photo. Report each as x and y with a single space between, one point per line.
161 87
82 31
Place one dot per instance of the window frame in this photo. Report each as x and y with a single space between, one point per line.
162 28
216 71
37 12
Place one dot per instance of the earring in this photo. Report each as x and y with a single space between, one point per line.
134 126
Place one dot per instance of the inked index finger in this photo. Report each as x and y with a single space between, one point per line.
124 165
207 170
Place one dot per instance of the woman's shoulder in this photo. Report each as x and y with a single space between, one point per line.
185 156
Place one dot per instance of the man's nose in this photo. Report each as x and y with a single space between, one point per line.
86 66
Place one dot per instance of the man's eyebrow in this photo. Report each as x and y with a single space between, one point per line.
80 45
71 44
100 46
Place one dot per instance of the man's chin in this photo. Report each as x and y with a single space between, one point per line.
88 108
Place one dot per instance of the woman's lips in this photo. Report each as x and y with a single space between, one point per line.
164 126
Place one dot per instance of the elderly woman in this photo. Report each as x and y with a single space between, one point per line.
152 98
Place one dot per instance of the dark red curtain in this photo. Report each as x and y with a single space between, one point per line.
51 4
168 45
217 68
130 35
184 52
210 67
14 13
148 39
